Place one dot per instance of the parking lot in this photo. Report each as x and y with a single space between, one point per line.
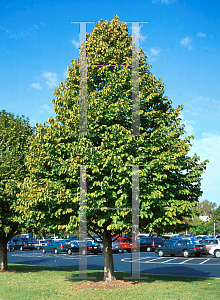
205 266
178 260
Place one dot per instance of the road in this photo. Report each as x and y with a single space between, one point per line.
204 266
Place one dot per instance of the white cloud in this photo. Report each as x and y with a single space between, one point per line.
153 54
205 100
154 51
36 86
201 34
189 127
22 33
187 42
208 135
164 1
75 43
52 79
46 108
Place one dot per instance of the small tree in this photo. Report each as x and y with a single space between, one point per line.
14 133
169 179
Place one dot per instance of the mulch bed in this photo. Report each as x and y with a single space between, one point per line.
105 285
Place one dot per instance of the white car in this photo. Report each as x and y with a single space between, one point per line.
215 250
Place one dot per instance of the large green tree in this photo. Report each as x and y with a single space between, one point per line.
14 133
169 179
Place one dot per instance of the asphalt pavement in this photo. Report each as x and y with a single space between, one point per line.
150 263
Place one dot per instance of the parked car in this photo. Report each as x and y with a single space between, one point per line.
209 243
181 247
22 244
74 247
40 243
126 243
215 250
150 243
10 246
201 237
84 247
28 245
55 247
117 248
168 241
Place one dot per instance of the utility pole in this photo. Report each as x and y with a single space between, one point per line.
214 227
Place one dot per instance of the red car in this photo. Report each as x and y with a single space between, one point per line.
126 243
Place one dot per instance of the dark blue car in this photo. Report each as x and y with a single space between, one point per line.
181 247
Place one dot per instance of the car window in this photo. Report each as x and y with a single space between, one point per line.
172 243
188 242
180 243
74 244
159 240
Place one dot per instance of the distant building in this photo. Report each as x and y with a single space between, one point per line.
204 218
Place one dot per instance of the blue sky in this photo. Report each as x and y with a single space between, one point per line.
181 39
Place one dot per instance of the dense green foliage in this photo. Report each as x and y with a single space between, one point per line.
170 180
197 226
14 133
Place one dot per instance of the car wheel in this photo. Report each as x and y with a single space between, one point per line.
21 248
44 251
186 253
38 248
217 253
69 251
148 249
84 252
160 253
55 251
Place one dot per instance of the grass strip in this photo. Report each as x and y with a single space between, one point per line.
24 282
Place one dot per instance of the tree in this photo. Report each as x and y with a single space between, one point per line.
14 133
216 214
169 179
207 207
197 227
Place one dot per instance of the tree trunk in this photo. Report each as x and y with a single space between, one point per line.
3 250
108 258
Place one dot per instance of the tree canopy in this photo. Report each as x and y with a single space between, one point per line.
169 179
206 207
14 133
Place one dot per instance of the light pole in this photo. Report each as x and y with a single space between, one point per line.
214 227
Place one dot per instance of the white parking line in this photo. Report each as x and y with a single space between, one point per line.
205 261
28 255
152 260
71 257
163 262
185 261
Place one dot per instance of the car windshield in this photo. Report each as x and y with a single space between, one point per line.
75 244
